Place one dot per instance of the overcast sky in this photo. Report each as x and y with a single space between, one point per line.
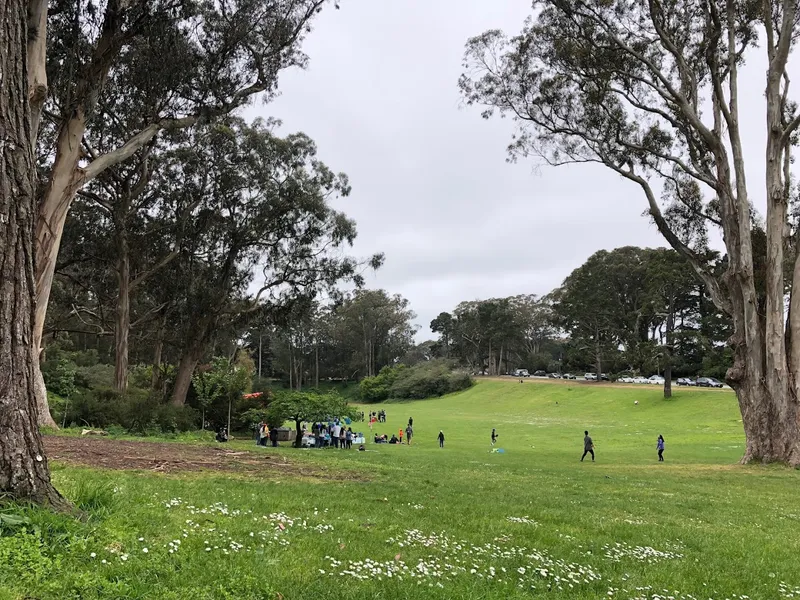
431 186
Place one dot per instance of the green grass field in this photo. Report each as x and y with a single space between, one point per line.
462 522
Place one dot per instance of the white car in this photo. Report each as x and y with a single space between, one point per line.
656 380
640 380
625 380
590 377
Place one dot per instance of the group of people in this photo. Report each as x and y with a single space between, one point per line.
336 434
377 417
266 436
395 439
588 447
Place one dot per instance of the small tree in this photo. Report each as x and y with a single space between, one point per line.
308 406
209 385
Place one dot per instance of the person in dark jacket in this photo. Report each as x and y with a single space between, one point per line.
273 436
441 439
588 446
660 447
494 436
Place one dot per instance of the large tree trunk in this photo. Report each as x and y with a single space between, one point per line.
49 227
771 430
122 328
183 378
24 474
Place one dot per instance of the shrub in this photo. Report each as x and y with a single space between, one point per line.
95 376
379 387
429 380
60 376
425 380
137 411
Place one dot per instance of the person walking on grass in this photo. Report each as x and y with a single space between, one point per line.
409 433
588 446
660 446
494 436
441 439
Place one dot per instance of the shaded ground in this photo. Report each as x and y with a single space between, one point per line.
164 457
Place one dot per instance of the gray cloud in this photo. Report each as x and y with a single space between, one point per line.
431 187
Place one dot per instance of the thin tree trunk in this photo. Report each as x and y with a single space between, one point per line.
598 355
230 401
291 367
158 350
123 318
668 349
24 473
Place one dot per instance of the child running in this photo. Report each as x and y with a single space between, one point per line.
494 436
660 447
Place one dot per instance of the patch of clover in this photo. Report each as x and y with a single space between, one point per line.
448 559
648 593
788 591
646 554
526 520
268 530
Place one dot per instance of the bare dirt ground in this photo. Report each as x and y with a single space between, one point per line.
164 457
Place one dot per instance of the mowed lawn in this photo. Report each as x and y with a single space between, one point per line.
458 522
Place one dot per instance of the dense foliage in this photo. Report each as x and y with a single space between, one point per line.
424 380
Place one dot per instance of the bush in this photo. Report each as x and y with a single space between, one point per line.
137 411
95 376
378 388
425 380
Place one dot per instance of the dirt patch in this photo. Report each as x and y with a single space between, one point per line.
162 457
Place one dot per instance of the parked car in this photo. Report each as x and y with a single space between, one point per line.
708 382
568 376
590 376
521 373
554 376
685 381
655 380
625 379
641 380
540 373
604 377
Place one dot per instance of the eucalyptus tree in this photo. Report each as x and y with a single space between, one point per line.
263 232
193 61
651 91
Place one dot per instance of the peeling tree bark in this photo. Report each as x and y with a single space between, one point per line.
122 328
24 473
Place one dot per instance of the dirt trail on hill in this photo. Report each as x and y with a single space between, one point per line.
165 457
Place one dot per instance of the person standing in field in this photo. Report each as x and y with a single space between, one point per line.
401 435
494 436
409 433
660 446
588 446
441 439
410 421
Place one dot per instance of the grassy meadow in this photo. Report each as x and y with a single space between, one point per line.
460 522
